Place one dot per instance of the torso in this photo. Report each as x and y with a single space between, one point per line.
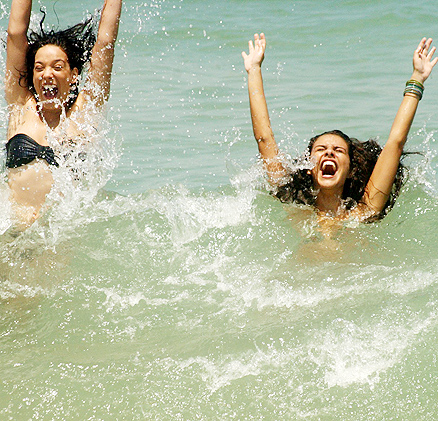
330 223
32 182
320 225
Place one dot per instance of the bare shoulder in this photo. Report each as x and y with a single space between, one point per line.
361 212
20 114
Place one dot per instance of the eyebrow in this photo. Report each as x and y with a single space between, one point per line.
56 60
322 145
326 144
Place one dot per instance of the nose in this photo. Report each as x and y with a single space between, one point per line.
329 152
47 73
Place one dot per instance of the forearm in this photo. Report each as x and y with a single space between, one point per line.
109 23
16 49
402 122
103 51
259 115
102 56
406 113
19 17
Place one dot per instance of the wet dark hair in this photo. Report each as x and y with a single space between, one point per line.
77 42
363 158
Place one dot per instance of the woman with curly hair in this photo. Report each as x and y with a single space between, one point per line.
42 90
347 178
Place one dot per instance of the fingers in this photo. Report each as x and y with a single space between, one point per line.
423 59
259 39
256 50
259 43
250 47
424 46
427 45
421 45
424 53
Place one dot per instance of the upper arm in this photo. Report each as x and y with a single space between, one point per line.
379 186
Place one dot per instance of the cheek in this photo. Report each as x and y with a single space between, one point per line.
69 79
312 160
35 81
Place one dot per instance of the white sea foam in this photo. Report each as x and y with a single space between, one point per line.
350 353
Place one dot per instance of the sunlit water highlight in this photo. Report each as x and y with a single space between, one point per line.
180 289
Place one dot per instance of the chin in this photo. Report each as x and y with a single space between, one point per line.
51 104
330 184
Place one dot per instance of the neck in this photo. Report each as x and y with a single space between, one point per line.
327 201
51 117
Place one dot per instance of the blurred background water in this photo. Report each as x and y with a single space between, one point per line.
169 285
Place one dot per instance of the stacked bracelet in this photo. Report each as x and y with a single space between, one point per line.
415 88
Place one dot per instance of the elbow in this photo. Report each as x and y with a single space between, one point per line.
264 136
105 42
17 35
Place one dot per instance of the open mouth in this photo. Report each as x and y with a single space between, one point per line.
328 169
49 92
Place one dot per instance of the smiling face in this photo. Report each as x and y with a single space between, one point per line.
332 163
52 76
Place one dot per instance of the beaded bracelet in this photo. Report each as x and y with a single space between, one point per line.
415 88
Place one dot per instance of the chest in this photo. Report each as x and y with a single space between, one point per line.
27 120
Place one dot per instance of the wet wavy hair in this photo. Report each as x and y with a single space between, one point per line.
77 42
363 158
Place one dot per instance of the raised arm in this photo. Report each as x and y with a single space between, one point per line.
101 65
259 110
380 184
16 48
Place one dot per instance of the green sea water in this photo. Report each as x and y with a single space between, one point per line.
169 285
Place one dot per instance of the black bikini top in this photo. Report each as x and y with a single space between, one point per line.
21 149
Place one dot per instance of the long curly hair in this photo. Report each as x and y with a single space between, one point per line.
363 158
77 42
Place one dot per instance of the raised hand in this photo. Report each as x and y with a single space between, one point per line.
256 52
423 63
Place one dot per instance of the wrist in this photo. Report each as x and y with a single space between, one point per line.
254 68
418 77
414 88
